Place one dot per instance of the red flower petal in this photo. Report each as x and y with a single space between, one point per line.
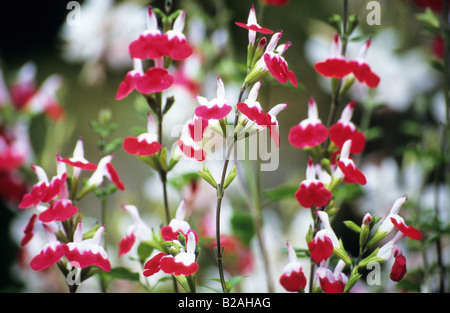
313 194
212 113
28 231
309 136
126 244
59 210
334 67
351 173
320 249
255 28
197 128
51 254
188 150
154 80
133 146
398 270
178 48
278 67
83 165
127 85
152 266
148 45
335 286
340 133
409 231
115 176
364 74
253 113
169 265
294 282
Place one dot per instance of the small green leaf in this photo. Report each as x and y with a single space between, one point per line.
230 177
144 250
122 273
281 193
352 226
207 176
353 279
91 232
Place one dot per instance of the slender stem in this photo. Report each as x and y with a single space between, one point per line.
220 193
444 138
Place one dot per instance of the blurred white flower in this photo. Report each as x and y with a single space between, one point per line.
100 41
403 75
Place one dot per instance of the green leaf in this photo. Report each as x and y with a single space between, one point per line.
352 226
122 273
341 253
144 250
207 176
169 103
233 281
353 279
281 193
230 177
113 145
91 232
429 19
242 225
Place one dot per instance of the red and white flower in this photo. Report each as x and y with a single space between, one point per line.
362 71
45 190
183 263
390 250
332 282
252 111
344 130
394 220
155 79
105 169
216 108
177 45
144 144
336 66
83 253
45 99
347 168
312 191
188 146
178 225
50 254
253 27
78 161
278 66
310 132
293 279
137 231
151 42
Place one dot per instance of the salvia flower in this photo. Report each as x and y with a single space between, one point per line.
321 248
83 253
136 231
393 219
332 282
78 161
153 44
155 79
50 254
312 191
105 169
310 132
188 146
293 279
362 71
178 225
335 66
278 66
183 263
390 250
216 108
252 111
253 26
344 130
347 167
144 144
45 190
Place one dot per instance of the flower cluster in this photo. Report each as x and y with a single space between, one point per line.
61 219
154 45
176 242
